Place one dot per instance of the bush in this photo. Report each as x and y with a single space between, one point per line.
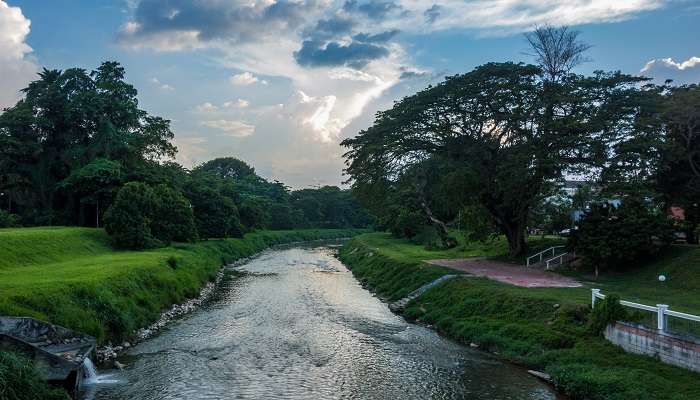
8 220
20 381
606 312
612 237
408 223
173 219
128 219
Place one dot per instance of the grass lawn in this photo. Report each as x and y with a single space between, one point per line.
73 277
680 264
541 328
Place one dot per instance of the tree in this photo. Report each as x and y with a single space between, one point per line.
128 220
678 178
215 215
557 50
228 168
94 184
66 121
615 238
496 124
173 219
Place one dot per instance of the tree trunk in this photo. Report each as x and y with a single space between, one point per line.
515 234
440 226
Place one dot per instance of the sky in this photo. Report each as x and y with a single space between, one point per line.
280 83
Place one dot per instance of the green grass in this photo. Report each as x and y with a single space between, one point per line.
19 381
543 328
72 277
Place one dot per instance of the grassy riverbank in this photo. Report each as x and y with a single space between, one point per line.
543 329
73 277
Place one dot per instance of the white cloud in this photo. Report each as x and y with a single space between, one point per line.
512 16
191 150
16 70
661 69
240 103
206 107
244 79
236 129
161 85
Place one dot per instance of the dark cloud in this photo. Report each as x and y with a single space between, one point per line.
217 19
376 38
355 55
433 13
373 9
330 28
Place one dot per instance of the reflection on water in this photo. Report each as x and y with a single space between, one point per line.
299 326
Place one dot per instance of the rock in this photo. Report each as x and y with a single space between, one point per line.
126 345
544 376
118 365
118 349
473 345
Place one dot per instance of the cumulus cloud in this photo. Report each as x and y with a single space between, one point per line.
335 58
161 85
245 79
236 129
16 70
187 24
240 103
661 69
190 150
206 107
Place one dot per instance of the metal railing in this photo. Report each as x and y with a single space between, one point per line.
542 253
560 259
662 311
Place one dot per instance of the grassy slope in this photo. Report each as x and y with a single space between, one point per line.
72 277
524 325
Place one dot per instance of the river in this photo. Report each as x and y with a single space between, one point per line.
299 326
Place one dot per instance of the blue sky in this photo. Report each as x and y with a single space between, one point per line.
280 83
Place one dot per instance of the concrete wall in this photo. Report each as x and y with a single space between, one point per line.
676 350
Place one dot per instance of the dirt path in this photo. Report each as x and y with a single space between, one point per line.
508 273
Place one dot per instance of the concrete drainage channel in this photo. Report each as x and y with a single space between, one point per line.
401 304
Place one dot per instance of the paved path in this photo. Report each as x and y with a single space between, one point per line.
508 273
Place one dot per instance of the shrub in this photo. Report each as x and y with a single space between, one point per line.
172 262
173 219
8 220
605 312
128 220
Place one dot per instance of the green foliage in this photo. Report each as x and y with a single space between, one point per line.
19 380
71 132
497 124
172 219
129 218
408 223
611 237
606 312
8 220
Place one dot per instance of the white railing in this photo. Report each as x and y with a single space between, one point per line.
560 259
661 310
542 253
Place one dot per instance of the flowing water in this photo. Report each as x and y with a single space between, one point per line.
299 326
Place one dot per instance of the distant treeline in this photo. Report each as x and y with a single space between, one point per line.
78 150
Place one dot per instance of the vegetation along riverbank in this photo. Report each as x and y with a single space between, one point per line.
541 328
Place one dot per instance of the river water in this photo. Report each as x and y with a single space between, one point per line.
299 326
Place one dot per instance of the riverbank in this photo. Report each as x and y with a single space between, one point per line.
74 278
541 328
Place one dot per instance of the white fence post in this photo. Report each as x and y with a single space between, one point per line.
661 317
594 294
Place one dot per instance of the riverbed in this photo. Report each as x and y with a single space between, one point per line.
297 325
